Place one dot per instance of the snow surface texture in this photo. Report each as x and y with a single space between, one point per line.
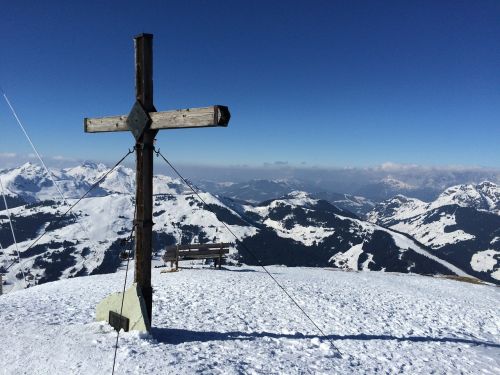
237 321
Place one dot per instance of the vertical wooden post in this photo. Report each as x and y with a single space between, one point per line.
144 170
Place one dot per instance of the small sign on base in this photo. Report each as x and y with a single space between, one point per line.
118 322
134 310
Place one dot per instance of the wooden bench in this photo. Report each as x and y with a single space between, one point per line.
214 251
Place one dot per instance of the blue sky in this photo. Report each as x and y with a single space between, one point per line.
310 83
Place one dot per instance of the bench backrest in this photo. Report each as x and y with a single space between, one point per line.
203 252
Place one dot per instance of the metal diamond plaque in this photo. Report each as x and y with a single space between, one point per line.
138 120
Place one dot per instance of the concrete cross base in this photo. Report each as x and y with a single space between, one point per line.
134 308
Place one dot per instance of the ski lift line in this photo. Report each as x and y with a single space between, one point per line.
129 239
247 249
14 113
4 255
78 201
12 229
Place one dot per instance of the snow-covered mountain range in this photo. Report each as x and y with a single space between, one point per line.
90 241
462 225
296 229
300 230
388 187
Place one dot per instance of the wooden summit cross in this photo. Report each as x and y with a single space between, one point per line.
144 122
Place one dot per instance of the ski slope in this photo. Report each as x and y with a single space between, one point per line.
236 321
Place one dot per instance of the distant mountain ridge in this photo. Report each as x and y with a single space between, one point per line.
484 196
375 184
258 190
462 225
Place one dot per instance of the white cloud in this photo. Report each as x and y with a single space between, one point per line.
12 160
390 166
62 158
7 155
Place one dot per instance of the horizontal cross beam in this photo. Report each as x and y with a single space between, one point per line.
216 115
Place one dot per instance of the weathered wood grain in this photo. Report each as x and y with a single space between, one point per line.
195 251
215 115
195 246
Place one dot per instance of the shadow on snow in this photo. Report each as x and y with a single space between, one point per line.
179 336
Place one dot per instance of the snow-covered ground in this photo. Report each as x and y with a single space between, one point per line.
237 321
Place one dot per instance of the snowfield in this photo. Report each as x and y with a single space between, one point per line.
236 321
485 261
434 234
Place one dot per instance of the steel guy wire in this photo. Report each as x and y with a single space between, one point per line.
247 249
